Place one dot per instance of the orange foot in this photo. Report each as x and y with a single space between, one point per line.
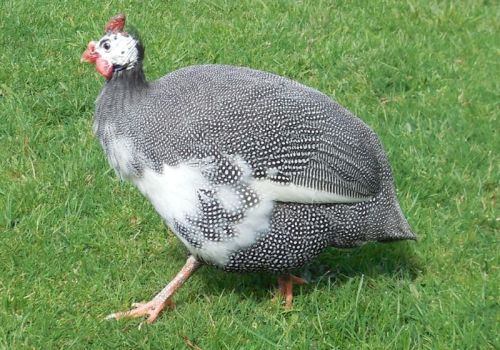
163 299
150 309
285 283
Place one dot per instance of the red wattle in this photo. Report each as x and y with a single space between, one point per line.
104 68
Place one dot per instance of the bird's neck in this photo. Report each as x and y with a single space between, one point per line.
132 79
121 94
126 88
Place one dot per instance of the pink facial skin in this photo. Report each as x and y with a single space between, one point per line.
104 68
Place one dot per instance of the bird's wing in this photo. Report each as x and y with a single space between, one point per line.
336 163
314 161
301 145
317 153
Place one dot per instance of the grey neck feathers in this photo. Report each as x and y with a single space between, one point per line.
125 90
129 79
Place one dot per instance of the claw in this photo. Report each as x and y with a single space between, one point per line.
151 310
154 307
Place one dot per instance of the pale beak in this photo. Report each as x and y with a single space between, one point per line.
89 55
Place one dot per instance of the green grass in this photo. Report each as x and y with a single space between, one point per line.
76 243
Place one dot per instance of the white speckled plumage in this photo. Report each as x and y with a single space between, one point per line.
252 171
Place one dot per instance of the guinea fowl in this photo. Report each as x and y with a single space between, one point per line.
250 170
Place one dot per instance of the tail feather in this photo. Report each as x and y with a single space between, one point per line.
396 227
387 222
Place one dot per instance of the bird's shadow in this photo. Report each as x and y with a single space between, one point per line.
336 266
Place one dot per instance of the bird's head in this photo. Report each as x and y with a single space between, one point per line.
115 51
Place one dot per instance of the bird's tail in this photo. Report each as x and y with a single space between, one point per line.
386 221
378 219
393 226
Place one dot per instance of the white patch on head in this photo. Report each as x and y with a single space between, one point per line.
122 49
299 194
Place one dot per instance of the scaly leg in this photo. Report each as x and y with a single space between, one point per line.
153 308
285 283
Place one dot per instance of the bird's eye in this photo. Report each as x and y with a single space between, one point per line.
106 46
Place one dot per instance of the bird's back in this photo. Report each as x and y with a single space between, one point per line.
271 121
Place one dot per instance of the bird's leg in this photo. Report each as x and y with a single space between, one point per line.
153 308
285 287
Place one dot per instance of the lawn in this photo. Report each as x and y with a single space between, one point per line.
77 243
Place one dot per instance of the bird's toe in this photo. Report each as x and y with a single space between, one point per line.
151 310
